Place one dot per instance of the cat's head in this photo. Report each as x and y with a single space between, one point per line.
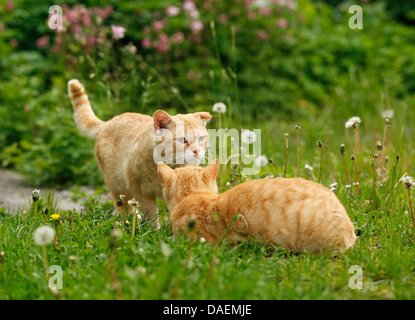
181 139
183 181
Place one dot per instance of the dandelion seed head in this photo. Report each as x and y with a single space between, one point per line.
219 107
353 122
248 137
44 235
261 161
388 114
408 181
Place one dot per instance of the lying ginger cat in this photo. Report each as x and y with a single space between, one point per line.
294 213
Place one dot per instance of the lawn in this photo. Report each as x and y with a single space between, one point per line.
292 69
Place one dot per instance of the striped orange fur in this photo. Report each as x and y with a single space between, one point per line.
124 147
293 213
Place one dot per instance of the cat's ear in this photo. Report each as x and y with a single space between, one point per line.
211 170
164 171
162 119
204 117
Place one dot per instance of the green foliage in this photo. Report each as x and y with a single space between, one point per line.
276 64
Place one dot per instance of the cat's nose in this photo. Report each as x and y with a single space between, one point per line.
196 152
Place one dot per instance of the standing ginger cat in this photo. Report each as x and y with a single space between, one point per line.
125 147
294 213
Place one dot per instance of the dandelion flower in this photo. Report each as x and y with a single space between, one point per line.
387 114
55 216
261 161
44 235
133 202
353 122
219 107
248 137
408 181
35 195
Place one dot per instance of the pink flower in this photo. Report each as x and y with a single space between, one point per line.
76 28
158 25
196 26
146 30
14 43
1 27
223 18
118 32
132 48
282 23
86 20
163 38
194 14
172 11
146 43
104 13
71 16
177 38
290 4
9 5
265 11
42 42
189 6
26 108
262 35
193 75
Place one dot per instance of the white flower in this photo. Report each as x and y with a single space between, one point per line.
44 235
308 168
261 161
248 137
353 122
387 114
408 181
133 203
202 239
219 107
333 186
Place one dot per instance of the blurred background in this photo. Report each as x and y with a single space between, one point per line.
274 63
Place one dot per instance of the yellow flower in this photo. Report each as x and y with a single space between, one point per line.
55 216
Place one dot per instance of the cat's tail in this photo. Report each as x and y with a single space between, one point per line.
85 118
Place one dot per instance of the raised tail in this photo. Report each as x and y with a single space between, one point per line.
85 118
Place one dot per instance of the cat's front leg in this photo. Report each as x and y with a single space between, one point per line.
149 209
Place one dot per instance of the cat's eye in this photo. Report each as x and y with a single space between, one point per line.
201 138
181 140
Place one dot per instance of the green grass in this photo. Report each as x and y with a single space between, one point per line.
159 265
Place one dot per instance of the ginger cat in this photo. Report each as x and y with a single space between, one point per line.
126 147
294 213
